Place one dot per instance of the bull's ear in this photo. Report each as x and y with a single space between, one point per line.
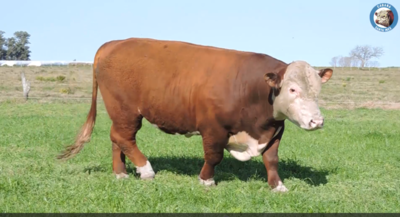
325 74
273 79
390 14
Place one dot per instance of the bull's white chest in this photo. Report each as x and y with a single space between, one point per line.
244 147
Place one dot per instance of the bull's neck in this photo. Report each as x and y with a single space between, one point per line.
257 116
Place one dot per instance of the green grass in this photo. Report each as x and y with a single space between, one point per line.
352 165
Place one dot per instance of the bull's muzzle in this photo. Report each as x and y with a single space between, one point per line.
316 123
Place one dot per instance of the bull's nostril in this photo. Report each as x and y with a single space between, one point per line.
318 123
312 123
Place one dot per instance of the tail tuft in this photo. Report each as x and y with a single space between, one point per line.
82 138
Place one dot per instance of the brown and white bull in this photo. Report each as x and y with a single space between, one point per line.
235 100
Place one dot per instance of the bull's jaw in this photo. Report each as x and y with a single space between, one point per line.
300 117
311 127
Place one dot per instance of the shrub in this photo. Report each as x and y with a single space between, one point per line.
66 90
60 78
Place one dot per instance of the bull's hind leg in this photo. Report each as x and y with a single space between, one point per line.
118 158
123 134
214 142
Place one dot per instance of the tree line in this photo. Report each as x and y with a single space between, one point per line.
15 48
360 57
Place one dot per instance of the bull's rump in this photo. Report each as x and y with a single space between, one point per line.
174 85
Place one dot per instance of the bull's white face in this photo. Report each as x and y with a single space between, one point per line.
383 17
297 99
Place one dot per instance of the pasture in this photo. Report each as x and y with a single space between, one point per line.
352 165
348 88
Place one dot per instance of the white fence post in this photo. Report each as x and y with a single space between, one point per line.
26 86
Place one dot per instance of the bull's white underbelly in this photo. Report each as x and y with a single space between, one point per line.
244 147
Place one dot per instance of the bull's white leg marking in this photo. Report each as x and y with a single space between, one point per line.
280 188
122 176
208 182
243 147
189 134
146 171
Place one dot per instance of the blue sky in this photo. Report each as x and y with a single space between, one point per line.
313 31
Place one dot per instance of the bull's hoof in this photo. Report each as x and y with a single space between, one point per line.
208 182
280 188
146 172
147 176
122 176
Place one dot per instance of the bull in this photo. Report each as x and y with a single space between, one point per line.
236 101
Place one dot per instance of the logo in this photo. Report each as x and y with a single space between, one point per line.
383 17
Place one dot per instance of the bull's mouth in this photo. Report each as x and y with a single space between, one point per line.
385 24
312 128
308 127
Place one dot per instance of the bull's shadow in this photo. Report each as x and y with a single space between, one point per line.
231 168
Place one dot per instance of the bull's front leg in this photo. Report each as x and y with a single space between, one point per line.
271 160
214 142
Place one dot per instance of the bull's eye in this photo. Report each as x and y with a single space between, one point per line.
292 90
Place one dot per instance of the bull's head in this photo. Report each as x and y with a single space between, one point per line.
384 18
296 91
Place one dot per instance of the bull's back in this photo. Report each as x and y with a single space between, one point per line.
172 84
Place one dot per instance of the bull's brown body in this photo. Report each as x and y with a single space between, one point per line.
184 88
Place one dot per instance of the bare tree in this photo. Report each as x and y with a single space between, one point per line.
334 61
355 62
365 53
373 64
341 61
347 61
344 61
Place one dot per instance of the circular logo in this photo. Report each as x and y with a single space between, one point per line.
383 17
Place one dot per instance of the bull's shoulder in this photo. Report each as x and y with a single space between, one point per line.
261 62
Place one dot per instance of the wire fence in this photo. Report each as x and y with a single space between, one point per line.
44 91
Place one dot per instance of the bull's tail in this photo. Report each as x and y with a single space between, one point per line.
87 129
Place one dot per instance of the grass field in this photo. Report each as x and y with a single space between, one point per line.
352 165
